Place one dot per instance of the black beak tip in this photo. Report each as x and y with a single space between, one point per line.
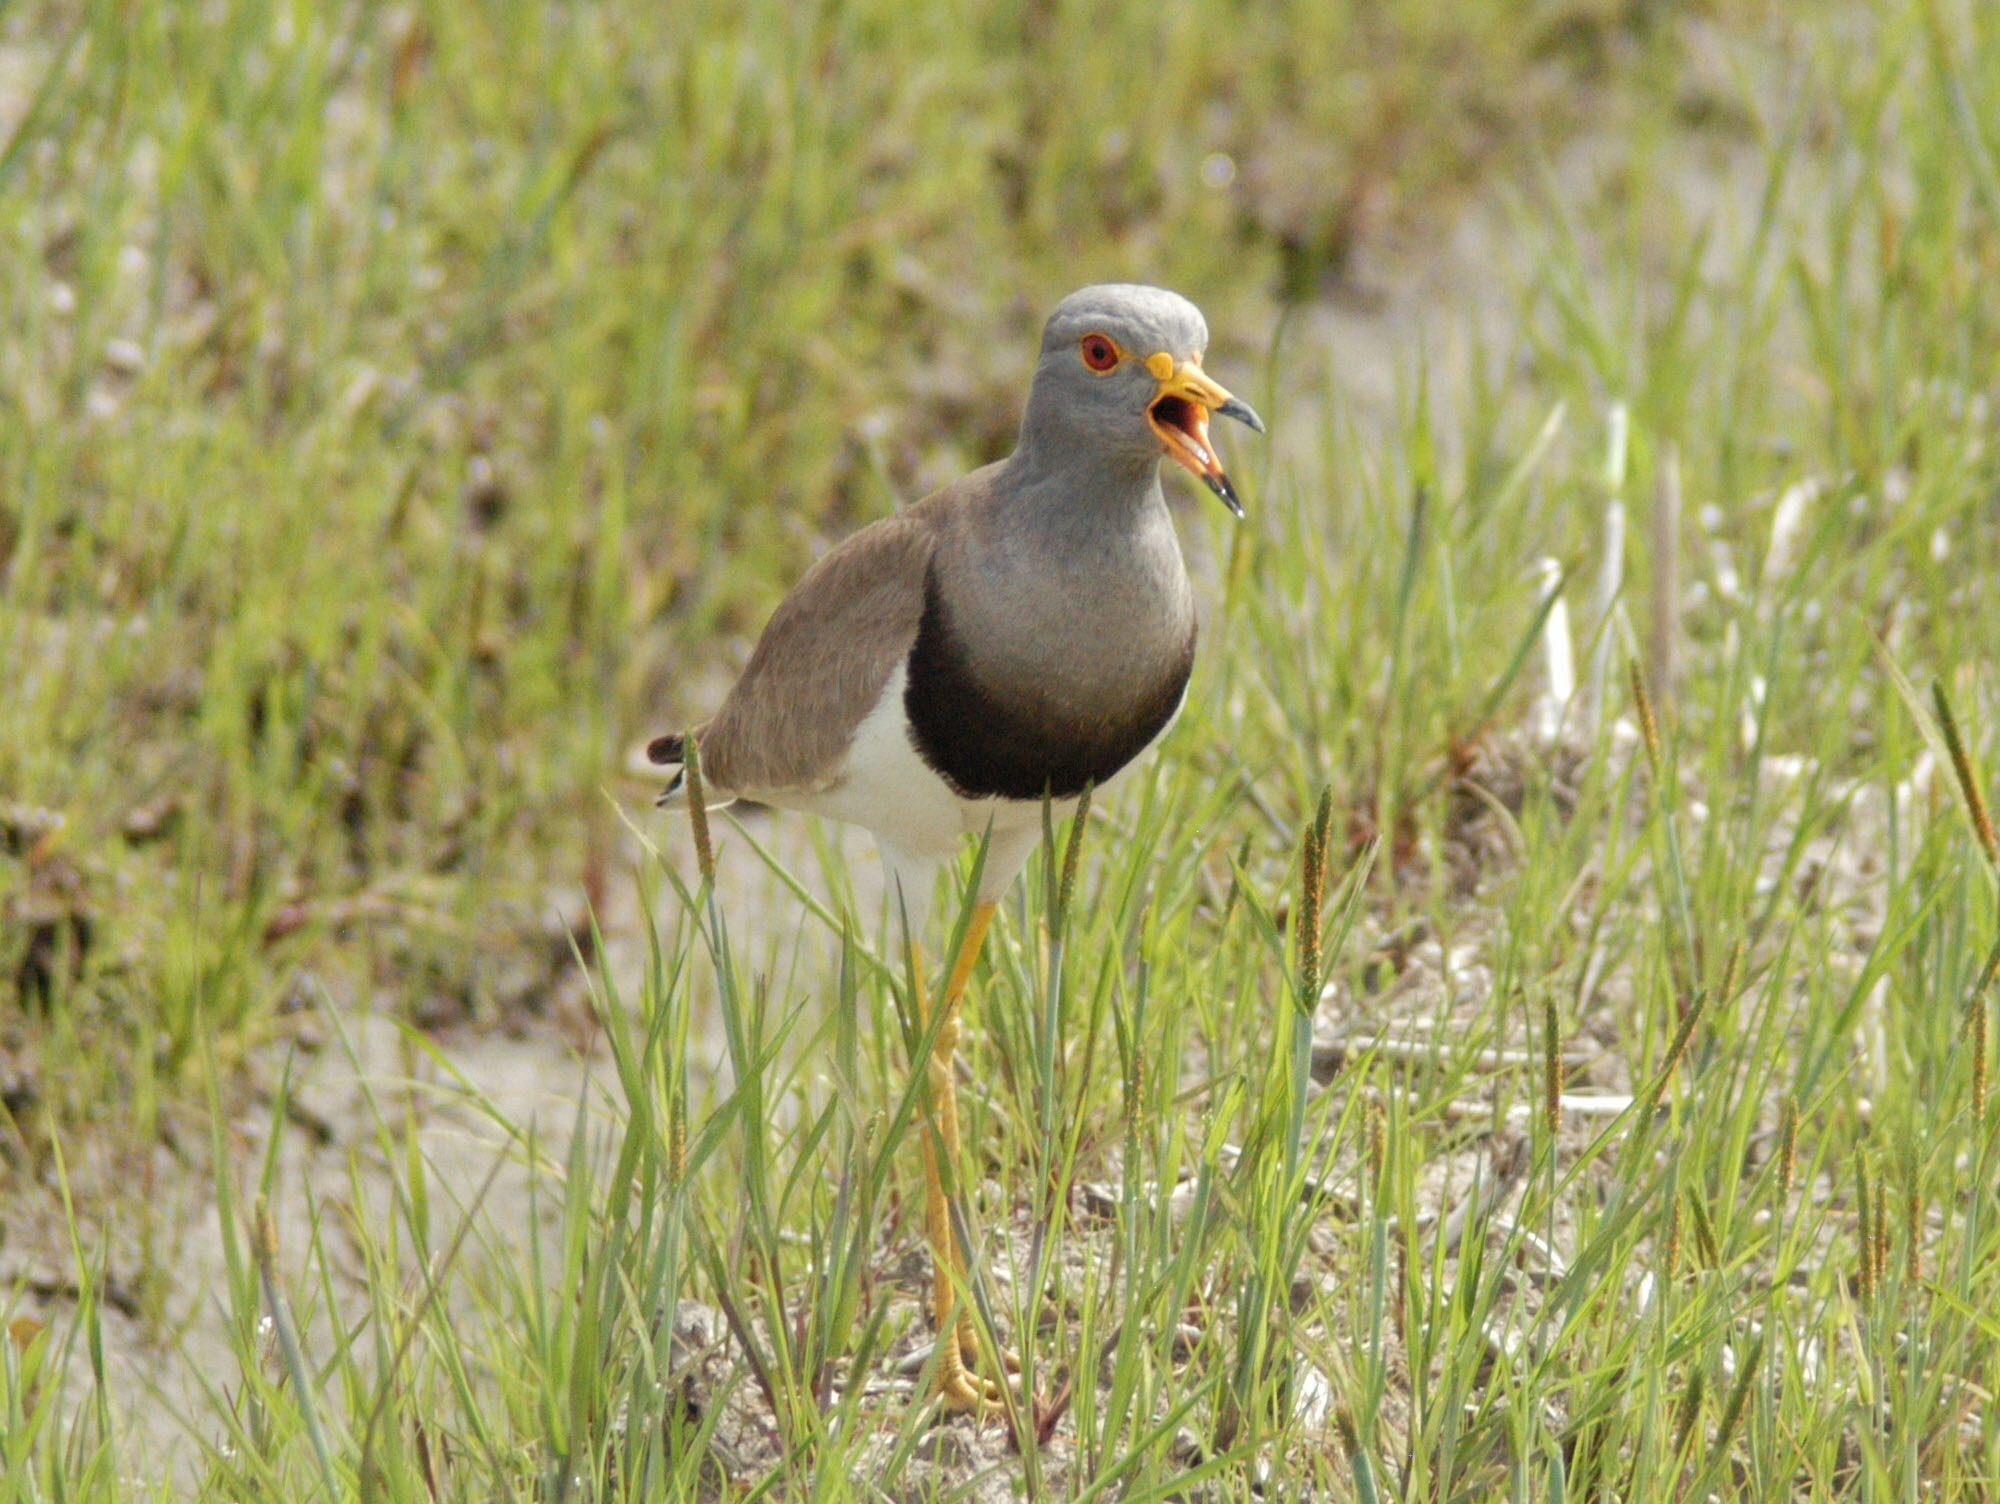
1243 413
1219 484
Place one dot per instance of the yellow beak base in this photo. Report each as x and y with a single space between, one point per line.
1179 417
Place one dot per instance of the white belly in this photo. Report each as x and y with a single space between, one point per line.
886 788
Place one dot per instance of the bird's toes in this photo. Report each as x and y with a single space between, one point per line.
968 1394
1005 1359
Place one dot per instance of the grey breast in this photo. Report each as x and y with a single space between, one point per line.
1055 645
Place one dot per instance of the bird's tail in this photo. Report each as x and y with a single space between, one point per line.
670 752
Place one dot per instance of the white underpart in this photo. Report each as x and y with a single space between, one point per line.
919 820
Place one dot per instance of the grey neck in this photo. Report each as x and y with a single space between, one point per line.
1069 590
1080 498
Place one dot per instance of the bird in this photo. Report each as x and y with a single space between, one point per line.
970 667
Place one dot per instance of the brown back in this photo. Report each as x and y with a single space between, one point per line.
825 656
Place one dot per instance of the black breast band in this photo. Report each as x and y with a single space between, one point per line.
984 743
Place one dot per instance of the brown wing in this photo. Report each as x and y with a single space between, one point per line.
820 666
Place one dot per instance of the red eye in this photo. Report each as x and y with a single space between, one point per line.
1099 353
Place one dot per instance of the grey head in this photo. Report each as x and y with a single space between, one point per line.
1120 384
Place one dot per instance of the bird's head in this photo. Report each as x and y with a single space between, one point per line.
1120 373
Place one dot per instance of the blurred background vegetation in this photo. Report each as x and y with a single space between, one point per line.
393 398
391 395
406 409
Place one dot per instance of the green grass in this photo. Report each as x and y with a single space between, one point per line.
559 334
486 366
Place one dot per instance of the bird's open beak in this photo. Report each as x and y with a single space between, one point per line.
1179 416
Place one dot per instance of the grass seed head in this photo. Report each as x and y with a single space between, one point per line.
697 802
1350 1436
1788 1147
1968 775
1312 898
1684 1035
1732 1416
1864 1232
1880 1250
1552 1078
1732 971
1979 1067
1677 1050
1979 1024
1689 1409
1072 858
1398 1313
1706 1242
1913 1219
1649 723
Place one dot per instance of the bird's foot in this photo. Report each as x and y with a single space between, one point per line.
963 1391
966 1393
1005 1358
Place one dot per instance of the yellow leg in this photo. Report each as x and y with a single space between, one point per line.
960 1390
